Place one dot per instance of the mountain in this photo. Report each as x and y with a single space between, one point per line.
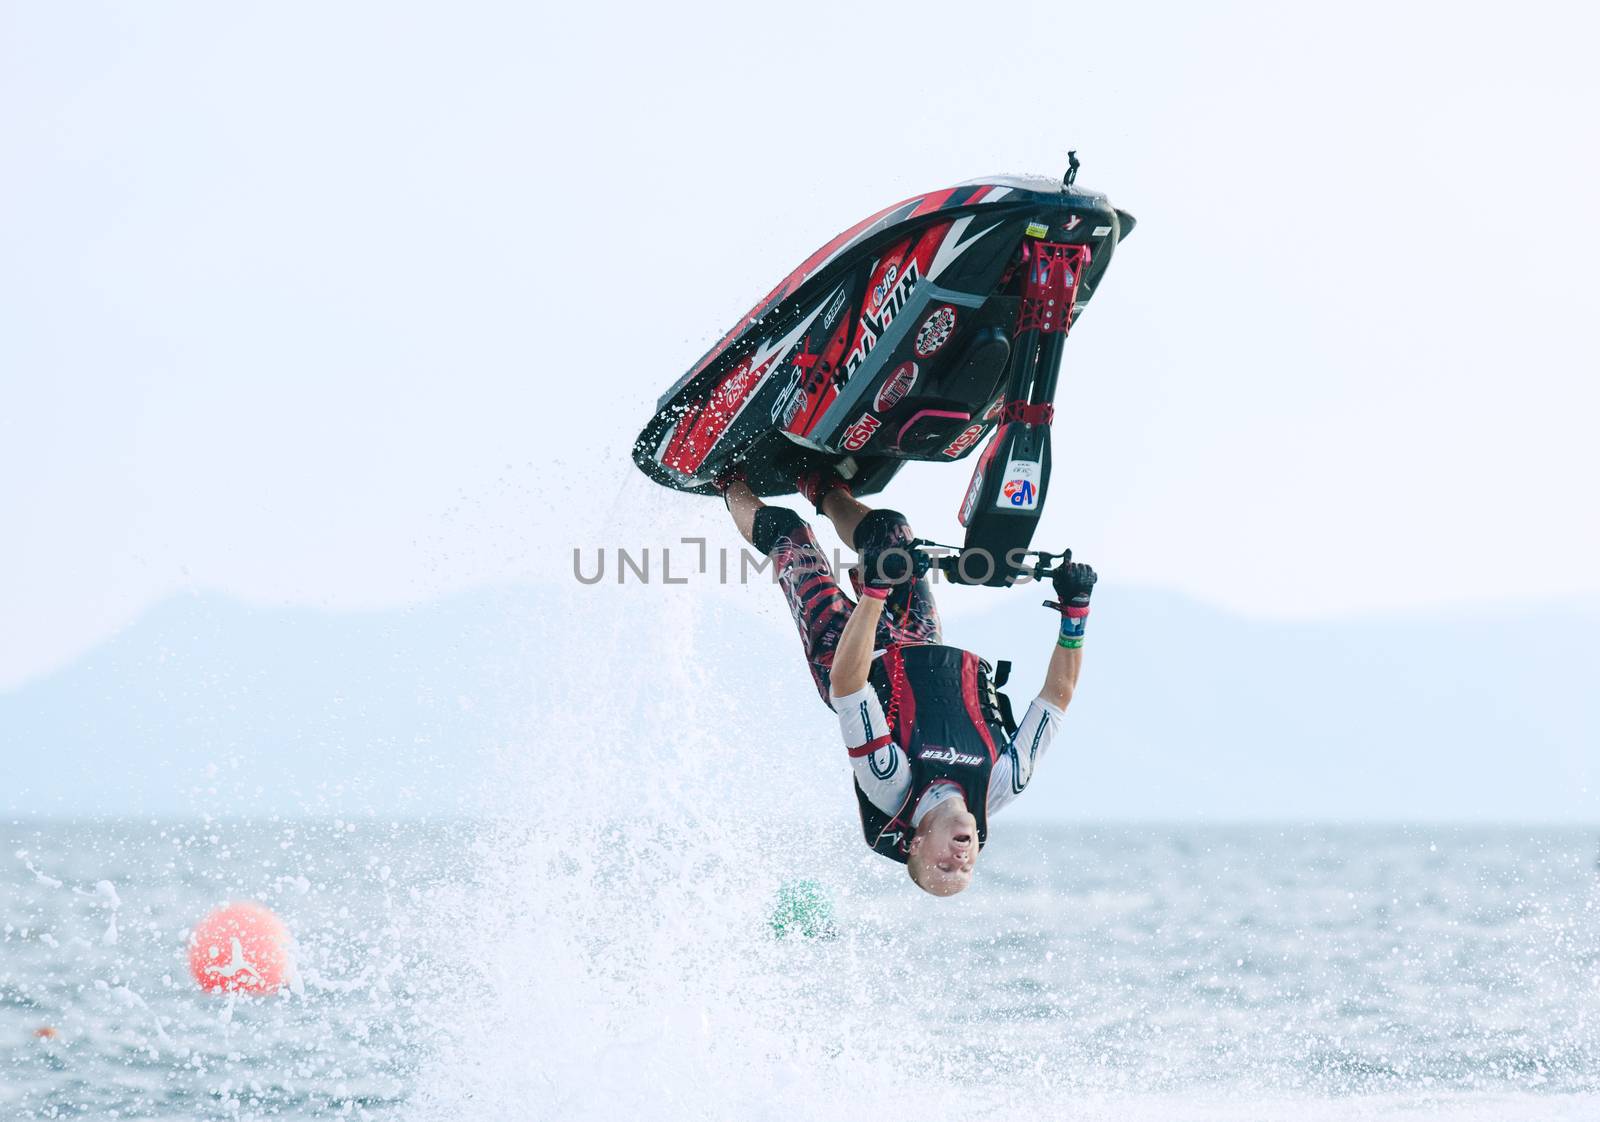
1192 712
209 704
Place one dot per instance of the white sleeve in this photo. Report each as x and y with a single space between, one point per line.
1015 767
879 764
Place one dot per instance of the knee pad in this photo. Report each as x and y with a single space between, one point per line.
773 523
882 529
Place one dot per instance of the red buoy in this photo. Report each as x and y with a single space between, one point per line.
240 948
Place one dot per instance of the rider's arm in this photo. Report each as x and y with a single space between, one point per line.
1038 728
852 658
1062 677
1074 582
1014 770
878 763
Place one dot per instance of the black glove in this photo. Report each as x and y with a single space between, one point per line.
1074 582
893 568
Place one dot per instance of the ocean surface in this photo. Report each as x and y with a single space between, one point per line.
590 968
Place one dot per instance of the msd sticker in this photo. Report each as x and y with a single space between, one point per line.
960 444
857 435
730 393
1020 491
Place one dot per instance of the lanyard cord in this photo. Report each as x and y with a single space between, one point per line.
894 665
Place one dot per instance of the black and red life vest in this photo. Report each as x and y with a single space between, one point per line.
944 712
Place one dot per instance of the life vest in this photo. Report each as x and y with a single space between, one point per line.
943 710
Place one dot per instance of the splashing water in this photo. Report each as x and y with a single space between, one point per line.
600 943
614 956
621 933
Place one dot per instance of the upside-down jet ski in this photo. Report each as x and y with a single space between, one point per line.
913 335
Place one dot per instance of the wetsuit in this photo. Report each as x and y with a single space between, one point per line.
900 774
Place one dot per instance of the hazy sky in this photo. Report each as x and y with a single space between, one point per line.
356 304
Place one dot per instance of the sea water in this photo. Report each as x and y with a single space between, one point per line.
606 967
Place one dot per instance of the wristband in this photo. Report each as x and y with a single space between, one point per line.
1073 622
876 593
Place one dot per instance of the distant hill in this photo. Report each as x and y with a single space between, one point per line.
1192 712
209 704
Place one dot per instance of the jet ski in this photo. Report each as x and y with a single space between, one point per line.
918 334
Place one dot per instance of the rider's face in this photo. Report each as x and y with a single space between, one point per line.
945 851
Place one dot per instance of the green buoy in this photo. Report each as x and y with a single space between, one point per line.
803 909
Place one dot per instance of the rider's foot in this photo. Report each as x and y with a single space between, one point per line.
817 484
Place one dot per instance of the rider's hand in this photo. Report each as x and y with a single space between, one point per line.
1074 582
885 570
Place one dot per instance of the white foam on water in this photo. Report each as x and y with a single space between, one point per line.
1211 1107
615 951
609 955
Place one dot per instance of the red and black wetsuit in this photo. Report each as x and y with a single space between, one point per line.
934 711
944 715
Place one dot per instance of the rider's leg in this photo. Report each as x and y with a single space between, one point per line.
912 617
743 505
820 608
845 511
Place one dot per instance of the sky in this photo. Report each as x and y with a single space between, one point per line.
361 305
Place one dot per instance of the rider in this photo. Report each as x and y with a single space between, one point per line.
928 744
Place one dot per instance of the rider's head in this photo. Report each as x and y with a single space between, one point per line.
944 849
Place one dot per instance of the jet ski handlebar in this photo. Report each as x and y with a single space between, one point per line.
977 566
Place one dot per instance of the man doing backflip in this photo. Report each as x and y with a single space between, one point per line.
929 746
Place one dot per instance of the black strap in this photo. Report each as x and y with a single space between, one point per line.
1002 674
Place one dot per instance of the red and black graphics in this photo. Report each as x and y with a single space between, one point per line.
703 422
915 207
881 295
895 341
872 393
